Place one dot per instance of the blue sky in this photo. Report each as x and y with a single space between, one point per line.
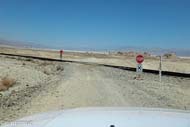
97 24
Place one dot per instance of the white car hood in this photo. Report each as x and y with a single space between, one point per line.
105 117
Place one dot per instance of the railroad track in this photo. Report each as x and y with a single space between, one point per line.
168 73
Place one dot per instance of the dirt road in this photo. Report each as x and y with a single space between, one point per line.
79 85
84 85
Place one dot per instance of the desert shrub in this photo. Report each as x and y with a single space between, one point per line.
28 59
146 54
170 55
18 58
120 53
47 72
59 68
6 82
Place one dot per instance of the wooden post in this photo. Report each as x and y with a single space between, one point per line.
160 69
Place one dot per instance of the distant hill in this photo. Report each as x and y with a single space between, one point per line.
153 51
158 51
13 43
178 52
20 44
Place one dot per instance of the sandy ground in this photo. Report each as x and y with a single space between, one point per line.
45 86
176 65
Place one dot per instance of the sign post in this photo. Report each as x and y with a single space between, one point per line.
139 68
61 54
160 69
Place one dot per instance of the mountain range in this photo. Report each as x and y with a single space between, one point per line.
154 51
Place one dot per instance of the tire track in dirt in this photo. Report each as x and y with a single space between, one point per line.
84 86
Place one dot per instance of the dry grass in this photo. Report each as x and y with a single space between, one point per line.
6 82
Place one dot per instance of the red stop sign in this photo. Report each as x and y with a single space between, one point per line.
139 59
61 51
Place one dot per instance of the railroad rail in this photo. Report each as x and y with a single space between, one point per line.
168 73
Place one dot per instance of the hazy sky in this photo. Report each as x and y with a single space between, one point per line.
97 23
